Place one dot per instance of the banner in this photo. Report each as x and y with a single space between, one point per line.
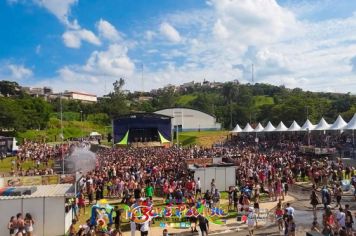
50 179
200 161
29 180
318 151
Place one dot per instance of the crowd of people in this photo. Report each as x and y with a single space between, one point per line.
40 154
266 168
20 226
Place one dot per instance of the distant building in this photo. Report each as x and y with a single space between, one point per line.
187 119
85 97
145 98
44 92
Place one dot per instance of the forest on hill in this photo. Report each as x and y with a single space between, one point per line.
231 103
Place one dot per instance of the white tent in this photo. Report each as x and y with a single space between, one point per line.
281 127
308 125
294 127
237 129
259 128
247 128
269 127
339 124
322 125
95 134
352 123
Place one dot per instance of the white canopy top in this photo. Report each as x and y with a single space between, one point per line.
259 128
94 134
269 127
281 127
338 124
308 125
352 123
237 129
247 128
294 127
323 125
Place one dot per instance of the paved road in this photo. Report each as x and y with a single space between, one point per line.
303 215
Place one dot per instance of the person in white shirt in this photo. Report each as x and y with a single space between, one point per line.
290 210
251 221
198 188
133 228
145 226
341 217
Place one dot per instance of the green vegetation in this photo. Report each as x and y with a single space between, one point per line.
71 129
202 138
6 164
185 100
231 103
262 100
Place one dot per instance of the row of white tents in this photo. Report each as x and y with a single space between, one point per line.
339 124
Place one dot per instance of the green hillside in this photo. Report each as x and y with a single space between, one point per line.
262 100
185 100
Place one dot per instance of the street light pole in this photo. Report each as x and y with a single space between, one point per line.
81 124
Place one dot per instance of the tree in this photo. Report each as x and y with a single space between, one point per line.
118 85
9 88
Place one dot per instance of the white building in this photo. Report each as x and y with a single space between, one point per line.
188 119
85 97
46 205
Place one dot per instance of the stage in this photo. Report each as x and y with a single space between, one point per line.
142 130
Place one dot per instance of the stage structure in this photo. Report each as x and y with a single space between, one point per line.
142 129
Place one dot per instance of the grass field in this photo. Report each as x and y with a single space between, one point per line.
186 99
6 164
202 138
71 129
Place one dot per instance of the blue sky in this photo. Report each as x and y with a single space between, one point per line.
83 45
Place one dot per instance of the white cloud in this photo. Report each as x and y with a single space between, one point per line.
19 72
149 35
353 63
220 30
101 66
112 62
74 38
107 31
61 9
170 32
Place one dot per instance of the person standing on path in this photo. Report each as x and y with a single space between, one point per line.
314 201
251 221
203 225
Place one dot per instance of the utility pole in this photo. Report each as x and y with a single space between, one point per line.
230 114
81 124
252 74
62 136
142 82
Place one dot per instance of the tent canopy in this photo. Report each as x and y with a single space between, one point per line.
259 128
269 127
281 127
247 128
294 127
322 125
308 125
352 123
95 134
237 129
338 124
